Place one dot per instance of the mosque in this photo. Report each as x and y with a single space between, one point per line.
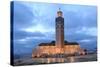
60 46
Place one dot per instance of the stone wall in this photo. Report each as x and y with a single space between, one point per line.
51 50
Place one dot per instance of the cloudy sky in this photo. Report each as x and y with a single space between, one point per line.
34 23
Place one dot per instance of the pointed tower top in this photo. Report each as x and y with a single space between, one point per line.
59 12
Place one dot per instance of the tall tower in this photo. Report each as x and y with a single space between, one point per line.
59 29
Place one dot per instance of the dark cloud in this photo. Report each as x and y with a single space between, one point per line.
91 45
23 34
23 15
78 37
80 16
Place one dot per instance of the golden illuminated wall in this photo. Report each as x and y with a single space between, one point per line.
49 49
67 49
71 49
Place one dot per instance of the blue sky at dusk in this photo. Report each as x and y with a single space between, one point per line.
35 23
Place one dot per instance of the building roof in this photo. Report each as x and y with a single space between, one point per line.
72 43
53 43
46 44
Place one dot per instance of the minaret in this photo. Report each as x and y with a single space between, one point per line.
59 29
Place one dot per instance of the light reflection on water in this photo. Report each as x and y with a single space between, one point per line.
34 61
54 60
72 59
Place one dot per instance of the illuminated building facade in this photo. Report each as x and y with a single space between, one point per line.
60 46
